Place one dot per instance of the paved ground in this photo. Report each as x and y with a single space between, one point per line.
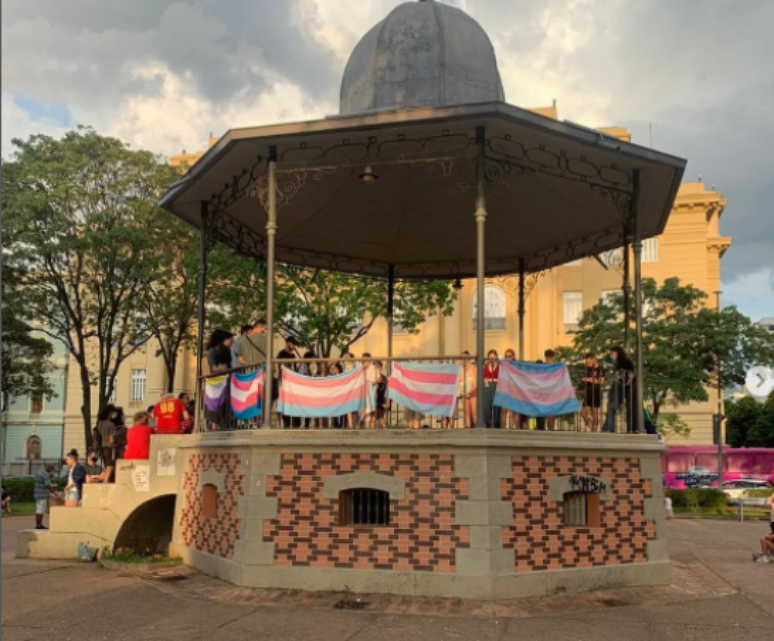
718 594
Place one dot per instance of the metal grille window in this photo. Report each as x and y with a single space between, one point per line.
36 403
650 250
494 308
138 385
581 509
364 506
572 308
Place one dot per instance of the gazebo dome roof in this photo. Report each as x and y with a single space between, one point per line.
423 54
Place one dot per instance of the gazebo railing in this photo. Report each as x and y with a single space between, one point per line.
616 408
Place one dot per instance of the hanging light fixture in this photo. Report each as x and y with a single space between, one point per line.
368 176
457 284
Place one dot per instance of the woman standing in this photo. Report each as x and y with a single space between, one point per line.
219 351
76 477
515 418
592 393
620 390
491 375
468 390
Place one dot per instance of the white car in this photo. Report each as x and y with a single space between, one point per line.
735 489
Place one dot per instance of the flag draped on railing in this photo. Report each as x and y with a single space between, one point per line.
427 388
215 395
247 394
536 389
321 397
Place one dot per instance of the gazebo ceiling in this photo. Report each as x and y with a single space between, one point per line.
555 191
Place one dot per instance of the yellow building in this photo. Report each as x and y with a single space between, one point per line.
690 248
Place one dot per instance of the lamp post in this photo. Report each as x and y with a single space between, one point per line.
719 414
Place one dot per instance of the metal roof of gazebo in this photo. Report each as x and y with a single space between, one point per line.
366 192
427 173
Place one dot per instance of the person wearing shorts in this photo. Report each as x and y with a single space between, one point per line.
43 489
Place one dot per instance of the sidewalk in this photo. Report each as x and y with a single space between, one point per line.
718 594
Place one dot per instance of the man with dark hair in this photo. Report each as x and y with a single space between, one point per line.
549 356
43 488
290 352
250 347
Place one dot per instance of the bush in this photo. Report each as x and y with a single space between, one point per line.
20 490
698 497
762 493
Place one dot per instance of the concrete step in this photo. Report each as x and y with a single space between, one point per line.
44 544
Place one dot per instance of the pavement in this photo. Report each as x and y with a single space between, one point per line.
717 594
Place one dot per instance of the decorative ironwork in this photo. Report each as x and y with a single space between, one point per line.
510 283
238 187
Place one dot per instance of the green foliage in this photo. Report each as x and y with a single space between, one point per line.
84 217
750 423
124 555
698 498
20 490
762 493
682 340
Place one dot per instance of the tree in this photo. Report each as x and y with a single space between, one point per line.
682 342
25 356
86 216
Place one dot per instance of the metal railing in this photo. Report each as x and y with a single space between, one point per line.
608 408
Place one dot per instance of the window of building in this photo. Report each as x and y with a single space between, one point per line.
572 305
650 250
138 385
36 403
607 296
581 509
612 257
364 506
34 448
209 501
494 308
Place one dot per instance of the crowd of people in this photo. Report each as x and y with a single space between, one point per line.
249 349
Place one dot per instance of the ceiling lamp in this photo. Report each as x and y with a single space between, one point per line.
368 176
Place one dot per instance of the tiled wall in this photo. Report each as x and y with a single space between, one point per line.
422 535
540 539
217 535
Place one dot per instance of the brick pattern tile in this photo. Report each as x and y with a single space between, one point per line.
422 535
217 535
540 538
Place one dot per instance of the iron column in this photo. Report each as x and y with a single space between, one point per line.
203 227
522 287
390 312
271 236
639 394
627 290
480 217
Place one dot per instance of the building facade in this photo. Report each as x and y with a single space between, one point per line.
33 426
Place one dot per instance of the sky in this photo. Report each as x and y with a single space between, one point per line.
694 78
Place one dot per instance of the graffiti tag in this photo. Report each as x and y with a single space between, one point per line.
587 484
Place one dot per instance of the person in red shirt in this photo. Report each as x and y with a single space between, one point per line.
138 438
170 412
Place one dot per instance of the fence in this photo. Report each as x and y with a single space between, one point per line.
610 407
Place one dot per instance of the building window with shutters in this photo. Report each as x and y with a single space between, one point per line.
209 501
34 448
650 250
138 385
494 308
581 509
572 308
36 403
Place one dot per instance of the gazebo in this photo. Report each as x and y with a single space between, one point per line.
427 173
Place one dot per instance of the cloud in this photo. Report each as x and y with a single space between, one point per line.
162 74
752 293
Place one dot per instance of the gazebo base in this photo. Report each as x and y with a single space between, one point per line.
475 514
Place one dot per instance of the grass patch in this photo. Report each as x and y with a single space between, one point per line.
128 556
24 508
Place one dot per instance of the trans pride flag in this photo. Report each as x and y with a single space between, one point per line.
320 397
428 388
536 389
247 394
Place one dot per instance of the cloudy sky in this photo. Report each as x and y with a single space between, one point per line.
162 74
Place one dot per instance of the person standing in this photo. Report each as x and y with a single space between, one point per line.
43 488
76 477
138 438
348 365
219 351
250 348
592 393
491 376
620 390
515 421
368 415
550 357
169 413
243 331
105 435
468 390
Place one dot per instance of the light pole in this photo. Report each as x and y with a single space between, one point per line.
719 413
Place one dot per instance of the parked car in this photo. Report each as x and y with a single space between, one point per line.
735 489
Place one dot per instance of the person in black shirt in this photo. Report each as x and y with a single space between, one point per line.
592 393
290 351
219 350
621 390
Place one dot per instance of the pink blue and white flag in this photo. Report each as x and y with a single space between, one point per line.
536 389
215 394
247 394
427 388
320 397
